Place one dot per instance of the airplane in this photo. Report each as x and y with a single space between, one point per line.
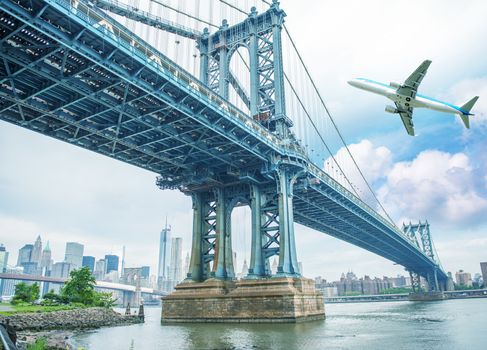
405 97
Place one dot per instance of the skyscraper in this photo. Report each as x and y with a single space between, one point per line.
111 263
37 251
100 268
25 254
46 260
74 255
176 264
89 262
61 270
164 252
145 271
3 258
483 268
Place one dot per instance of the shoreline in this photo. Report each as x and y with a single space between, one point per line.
58 327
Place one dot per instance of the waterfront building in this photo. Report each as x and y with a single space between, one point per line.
100 269
111 263
74 255
483 268
25 254
61 270
89 262
164 252
463 278
46 259
112 276
37 251
3 258
7 287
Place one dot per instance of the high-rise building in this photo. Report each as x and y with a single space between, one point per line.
37 251
176 264
46 259
463 278
3 258
483 268
74 255
111 263
32 268
61 270
100 268
25 254
7 287
145 271
89 262
186 265
164 252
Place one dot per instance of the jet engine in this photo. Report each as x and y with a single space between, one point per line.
395 85
390 109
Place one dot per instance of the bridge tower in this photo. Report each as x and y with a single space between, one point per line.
268 191
420 235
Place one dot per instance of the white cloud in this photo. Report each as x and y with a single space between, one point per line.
435 185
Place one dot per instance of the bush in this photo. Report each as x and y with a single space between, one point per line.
40 344
25 293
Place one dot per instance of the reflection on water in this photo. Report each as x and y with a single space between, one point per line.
454 324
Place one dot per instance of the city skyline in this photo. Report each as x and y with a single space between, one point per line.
438 175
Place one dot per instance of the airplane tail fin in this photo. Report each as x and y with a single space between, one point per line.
466 109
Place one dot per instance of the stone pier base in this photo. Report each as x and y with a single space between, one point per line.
426 296
250 300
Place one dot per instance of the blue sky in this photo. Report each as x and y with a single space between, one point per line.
66 193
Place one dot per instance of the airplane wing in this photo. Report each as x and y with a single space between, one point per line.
410 86
407 118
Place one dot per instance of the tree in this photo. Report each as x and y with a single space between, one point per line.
25 293
80 288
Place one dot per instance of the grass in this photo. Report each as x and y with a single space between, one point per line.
22 308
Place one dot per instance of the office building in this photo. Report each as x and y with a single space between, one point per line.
74 255
145 272
7 287
46 259
89 262
3 258
25 254
164 253
483 269
111 263
37 251
176 263
463 278
61 270
100 268
32 268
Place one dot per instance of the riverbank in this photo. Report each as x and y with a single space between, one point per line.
57 327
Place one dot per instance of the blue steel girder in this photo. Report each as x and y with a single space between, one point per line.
240 150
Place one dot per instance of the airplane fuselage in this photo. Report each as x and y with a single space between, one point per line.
419 101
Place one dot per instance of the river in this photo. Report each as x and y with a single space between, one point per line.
451 324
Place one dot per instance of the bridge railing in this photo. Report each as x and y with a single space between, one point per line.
110 28
322 175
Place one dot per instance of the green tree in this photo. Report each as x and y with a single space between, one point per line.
25 293
80 288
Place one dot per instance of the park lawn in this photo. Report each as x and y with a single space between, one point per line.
21 309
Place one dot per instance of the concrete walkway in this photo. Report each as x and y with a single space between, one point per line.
4 307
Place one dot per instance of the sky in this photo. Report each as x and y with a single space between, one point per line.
65 193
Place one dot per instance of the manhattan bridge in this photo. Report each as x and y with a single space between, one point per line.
216 100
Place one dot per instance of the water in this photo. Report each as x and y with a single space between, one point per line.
452 324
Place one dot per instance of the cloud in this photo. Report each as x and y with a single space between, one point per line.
435 185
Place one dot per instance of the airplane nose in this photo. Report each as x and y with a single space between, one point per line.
353 83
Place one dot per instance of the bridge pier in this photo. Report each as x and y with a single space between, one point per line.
259 297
